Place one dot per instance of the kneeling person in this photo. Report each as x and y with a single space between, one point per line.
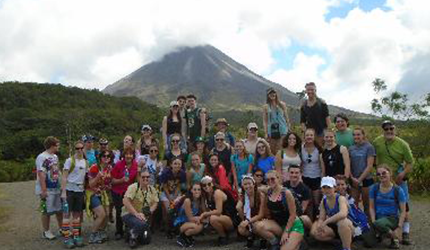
140 201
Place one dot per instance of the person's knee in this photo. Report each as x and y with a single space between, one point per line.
343 224
213 219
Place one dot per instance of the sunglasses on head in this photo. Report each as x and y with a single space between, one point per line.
389 129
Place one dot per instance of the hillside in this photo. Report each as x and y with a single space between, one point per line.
217 80
29 112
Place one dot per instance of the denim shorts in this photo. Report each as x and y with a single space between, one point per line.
95 201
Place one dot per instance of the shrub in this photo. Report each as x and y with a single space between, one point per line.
16 171
420 176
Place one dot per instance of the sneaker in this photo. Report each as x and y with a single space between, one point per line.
48 235
95 238
263 244
222 241
394 244
69 243
118 236
181 241
249 242
103 235
190 241
132 243
406 240
79 242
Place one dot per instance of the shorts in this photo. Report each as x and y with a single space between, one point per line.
163 196
333 226
297 227
385 224
367 182
312 183
95 201
75 201
53 203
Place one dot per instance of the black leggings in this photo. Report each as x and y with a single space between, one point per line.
117 202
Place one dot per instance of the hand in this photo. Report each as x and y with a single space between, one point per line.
400 177
284 238
63 195
125 179
142 162
196 220
355 182
44 194
141 216
244 223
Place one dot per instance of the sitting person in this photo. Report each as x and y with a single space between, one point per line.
283 229
140 201
387 206
189 216
250 208
333 221
221 214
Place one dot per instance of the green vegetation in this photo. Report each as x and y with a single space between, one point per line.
29 112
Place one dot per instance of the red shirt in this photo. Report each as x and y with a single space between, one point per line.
118 172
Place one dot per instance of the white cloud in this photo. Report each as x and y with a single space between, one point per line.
94 43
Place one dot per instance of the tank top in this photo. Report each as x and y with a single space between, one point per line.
331 211
311 163
333 161
276 115
287 161
228 206
173 126
278 210
182 216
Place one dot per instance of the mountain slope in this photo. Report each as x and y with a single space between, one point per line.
218 81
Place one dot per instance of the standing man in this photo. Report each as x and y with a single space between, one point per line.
182 113
48 185
314 113
396 153
196 120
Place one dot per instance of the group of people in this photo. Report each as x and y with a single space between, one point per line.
279 189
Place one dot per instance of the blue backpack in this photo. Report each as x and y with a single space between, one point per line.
358 218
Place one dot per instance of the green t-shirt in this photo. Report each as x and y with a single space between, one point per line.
345 138
399 152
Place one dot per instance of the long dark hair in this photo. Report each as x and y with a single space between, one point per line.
257 194
189 195
210 170
267 152
298 145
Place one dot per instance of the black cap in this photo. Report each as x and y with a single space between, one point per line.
387 122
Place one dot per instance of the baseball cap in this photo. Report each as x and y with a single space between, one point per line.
220 135
146 126
221 120
252 125
87 138
174 103
328 181
206 179
386 123
103 141
199 139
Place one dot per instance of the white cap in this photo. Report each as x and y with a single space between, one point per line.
328 181
206 179
146 126
252 125
174 103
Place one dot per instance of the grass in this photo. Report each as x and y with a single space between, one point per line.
3 212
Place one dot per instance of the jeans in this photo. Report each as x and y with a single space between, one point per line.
136 226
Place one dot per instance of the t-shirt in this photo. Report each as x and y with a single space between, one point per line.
76 178
345 138
241 165
139 198
118 172
265 164
359 155
314 116
398 148
151 166
385 203
302 191
48 164
91 156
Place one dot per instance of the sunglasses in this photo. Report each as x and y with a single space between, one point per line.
104 156
309 158
219 139
384 173
145 176
389 129
175 141
258 175
103 144
261 147
79 148
153 151
197 189
206 185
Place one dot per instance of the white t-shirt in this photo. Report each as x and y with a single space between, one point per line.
43 161
76 179
287 161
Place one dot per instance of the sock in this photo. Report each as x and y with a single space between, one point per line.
76 229
274 241
65 228
406 227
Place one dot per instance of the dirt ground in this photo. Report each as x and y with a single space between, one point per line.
21 227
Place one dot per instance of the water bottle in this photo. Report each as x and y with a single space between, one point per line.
65 208
55 175
127 175
43 208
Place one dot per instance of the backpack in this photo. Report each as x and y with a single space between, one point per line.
396 192
358 218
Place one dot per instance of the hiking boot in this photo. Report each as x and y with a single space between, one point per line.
132 242
181 241
79 242
249 242
95 238
394 244
406 240
48 235
69 243
263 244
190 241
222 241
103 235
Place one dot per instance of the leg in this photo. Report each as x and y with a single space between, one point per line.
222 224
99 220
190 228
365 199
322 234
45 221
269 230
293 242
345 228
117 199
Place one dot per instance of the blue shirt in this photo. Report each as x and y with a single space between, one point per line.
265 164
91 157
241 165
385 203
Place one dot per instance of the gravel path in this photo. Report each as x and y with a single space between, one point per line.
21 229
